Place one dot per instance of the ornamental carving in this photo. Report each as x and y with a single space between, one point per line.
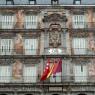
55 36
18 45
17 70
55 17
19 19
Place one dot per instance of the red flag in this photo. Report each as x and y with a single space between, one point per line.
58 67
46 70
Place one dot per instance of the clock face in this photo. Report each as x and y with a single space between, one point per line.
55 51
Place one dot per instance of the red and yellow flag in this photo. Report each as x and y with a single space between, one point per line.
46 71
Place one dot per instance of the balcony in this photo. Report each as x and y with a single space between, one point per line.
51 80
83 51
19 52
56 51
83 25
19 25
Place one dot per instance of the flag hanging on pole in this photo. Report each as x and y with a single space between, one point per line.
58 67
46 71
55 68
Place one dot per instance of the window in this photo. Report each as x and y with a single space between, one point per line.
79 45
7 21
77 2
32 2
30 73
54 2
31 21
31 46
5 73
80 72
9 2
6 46
79 21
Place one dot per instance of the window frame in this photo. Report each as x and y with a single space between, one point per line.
28 77
34 2
29 40
9 79
11 2
54 2
75 2
31 21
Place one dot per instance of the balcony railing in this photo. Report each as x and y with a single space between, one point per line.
82 25
57 79
20 25
82 51
56 51
48 51
19 51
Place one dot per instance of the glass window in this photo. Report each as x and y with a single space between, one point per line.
54 2
30 73
31 46
31 21
79 45
5 73
79 21
6 46
32 1
7 21
80 72
9 2
77 2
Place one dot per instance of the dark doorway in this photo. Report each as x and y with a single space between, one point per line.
3 94
81 94
55 94
28 94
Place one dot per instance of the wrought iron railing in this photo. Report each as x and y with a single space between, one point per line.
82 25
18 25
49 51
55 51
19 51
83 51
56 79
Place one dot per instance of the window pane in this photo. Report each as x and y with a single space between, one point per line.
79 21
5 73
6 46
7 21
80 73
31 21
30 74
79 45
31 46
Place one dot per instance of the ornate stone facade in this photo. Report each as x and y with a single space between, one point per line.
54 38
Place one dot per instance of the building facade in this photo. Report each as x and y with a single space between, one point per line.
31 32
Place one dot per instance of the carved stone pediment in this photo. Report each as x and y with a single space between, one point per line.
55 17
